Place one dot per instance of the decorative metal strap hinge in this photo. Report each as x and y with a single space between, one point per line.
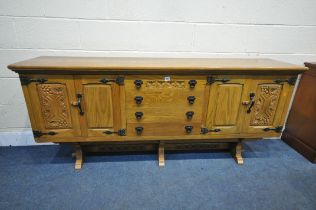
120 132
26 80
210 80
118 80
277 129
205 130
37 133
291 81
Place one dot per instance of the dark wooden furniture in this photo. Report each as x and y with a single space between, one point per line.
160 101
300 130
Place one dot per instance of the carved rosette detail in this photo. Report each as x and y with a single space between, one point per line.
265 105
54 106
165 84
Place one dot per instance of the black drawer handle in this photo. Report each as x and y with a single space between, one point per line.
139 115
139 130
192 83
211 80
138 83
189 115
191 99
138 99
205 130
188 128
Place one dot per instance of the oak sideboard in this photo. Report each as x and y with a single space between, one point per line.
142 103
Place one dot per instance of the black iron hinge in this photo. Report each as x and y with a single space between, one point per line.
210 80
118 80
37 133
205 130
277 129
26 80
120 132
291 81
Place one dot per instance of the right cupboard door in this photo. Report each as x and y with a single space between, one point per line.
267 111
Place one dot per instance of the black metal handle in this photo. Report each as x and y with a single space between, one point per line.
139 130
139 115
192 83
252 102
188 128
26 80
120 132
191 99
138 99
78 104
118 80
291 81
189 115
205 130
138 83
277 129
37 133
211 80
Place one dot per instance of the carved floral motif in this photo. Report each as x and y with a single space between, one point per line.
165 84
54 105
265 105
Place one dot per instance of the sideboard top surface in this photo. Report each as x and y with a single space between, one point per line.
129 64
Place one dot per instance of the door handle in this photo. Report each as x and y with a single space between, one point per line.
251 102
78 103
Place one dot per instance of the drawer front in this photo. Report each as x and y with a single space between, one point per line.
163 129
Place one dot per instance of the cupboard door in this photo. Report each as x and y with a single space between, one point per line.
225 113
271 101
50 107
102 99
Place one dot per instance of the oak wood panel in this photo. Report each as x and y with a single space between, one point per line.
50 105
225 111
152 65
271 105
102 105
99 106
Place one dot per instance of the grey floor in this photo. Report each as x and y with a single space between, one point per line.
42 177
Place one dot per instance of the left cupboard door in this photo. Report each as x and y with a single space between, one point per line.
49 99
102 104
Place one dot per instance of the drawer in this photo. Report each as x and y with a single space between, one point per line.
162 129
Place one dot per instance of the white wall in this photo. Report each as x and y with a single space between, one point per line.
279 29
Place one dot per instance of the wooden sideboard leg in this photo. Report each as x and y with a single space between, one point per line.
236 152
78 154
161 154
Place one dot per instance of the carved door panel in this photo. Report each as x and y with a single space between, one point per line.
270 105
50 103
101 101
225 111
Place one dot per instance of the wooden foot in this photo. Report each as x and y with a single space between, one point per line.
161 154
79 157
236 152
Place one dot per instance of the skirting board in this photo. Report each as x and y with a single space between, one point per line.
18 138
